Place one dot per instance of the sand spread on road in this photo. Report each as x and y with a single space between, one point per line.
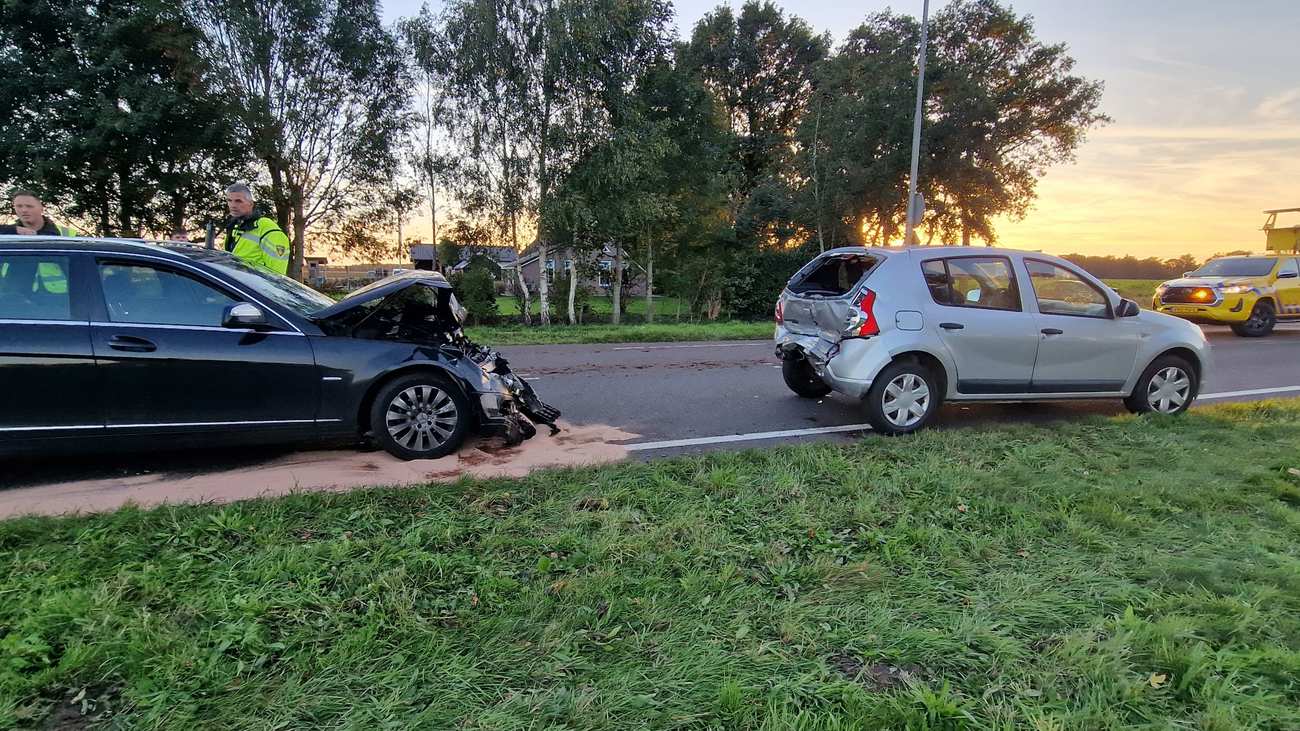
322 470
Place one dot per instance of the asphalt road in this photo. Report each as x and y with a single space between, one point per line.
713 395
689 397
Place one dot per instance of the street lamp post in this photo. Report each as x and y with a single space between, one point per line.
915 206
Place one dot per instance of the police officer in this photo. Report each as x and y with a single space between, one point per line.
32 220
253 237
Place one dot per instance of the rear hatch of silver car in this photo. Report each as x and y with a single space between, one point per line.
818 304
818 298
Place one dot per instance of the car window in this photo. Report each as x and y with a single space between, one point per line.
833 276
1290 267
972 281
141 293
34 287
1062 292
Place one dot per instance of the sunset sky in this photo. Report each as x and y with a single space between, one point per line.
1205 97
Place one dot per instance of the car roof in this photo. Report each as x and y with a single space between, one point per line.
168 249
937 251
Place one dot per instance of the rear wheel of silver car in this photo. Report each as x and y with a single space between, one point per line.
420 416
903 398
1262 319
1168 386
800 377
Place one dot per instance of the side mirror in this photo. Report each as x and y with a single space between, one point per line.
243 314
973 296
1127 308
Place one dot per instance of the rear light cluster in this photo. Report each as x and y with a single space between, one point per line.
865 319
780 312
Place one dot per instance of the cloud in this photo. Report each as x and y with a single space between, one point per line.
1284 106
1164 191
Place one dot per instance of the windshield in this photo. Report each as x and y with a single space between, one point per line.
279 289
1258 266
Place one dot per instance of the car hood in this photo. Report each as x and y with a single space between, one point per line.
388 287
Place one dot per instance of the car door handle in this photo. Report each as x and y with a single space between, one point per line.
1052 331
131 344
952 326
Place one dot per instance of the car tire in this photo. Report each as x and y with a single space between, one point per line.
420 416
896 393
801 378
1159 389
1262 319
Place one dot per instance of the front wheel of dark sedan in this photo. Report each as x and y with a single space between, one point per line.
1167 386
420 416
903 398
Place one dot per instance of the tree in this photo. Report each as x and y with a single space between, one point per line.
1005 108
319 94
422 38
603 142
854 149
485 90
762 68
112 115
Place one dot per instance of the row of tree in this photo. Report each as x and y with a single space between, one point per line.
716 162
1130 267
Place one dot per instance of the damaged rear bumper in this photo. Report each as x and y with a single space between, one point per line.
848 366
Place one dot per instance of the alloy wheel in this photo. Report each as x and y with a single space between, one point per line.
421 418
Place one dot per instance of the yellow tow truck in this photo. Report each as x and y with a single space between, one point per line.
1251 294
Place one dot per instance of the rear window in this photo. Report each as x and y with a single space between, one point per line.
972 281
833 276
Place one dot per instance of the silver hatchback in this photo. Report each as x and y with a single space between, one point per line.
907 329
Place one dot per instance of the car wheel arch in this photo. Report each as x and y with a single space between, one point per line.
363 408
931 362
1185 353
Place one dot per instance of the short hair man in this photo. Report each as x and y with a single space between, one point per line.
180 234
253 237
32 220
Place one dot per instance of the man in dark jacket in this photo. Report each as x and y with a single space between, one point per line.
32 220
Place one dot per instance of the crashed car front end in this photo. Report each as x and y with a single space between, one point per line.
420 309
510 406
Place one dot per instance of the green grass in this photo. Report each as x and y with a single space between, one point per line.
1098 574
1139 290
639 333
666 307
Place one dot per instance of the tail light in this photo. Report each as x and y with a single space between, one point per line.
780 312
865 320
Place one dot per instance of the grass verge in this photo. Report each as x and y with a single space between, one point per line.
1100 574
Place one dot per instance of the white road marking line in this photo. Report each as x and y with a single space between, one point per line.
786 433
677 347
1249 392
754 436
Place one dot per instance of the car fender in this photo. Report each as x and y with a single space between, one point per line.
865 358
1163 334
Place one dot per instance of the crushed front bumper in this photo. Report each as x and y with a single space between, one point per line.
511 408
